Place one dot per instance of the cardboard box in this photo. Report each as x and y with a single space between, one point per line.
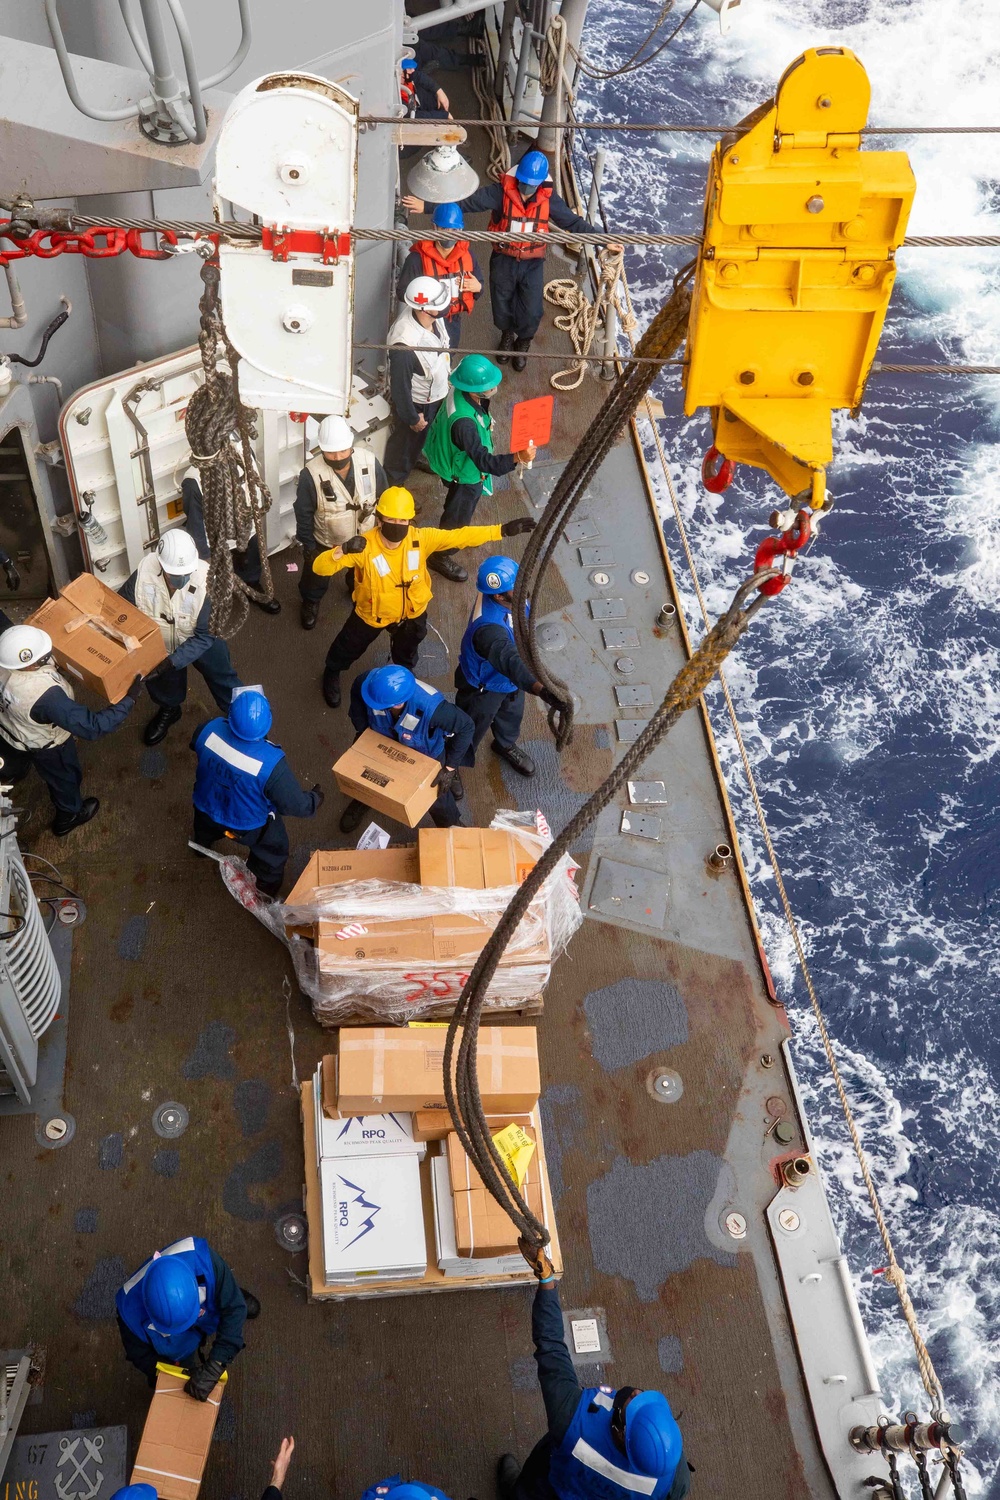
388 776
381 1068
98 638
363 1135
435 1124
448 1259
373 1219
482 1229
474 858
176 1438
338 866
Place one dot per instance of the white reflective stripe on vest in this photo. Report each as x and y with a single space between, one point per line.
234 757
381 565
177 1248
19 692
409 721
522 226
345 515
641 1484
413 558
603 1400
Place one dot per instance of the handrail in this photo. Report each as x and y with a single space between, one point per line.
239 56
129 111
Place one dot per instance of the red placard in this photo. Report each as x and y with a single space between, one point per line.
531 421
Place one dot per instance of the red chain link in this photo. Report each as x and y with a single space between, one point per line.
97 243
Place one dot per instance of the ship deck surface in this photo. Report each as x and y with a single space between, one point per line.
177 994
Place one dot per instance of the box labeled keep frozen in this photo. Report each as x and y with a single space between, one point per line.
388 776
98 638
373 1219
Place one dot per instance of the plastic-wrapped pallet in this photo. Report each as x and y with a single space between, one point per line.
389 951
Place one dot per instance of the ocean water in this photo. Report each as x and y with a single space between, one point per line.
869 692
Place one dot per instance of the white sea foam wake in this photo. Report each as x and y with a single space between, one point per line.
869 693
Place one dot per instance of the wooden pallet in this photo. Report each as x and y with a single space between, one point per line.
433 1280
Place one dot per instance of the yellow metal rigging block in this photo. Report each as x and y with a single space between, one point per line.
795 272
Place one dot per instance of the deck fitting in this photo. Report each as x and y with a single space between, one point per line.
291 1232
170 1120
665 1085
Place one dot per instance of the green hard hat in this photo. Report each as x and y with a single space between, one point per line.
476 373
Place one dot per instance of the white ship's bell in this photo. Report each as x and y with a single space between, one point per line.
442 176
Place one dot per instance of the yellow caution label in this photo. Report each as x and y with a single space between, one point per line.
184 1374
516 1149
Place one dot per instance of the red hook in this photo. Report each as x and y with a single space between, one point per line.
716 472
784 547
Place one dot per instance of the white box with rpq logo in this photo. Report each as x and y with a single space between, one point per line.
373 1218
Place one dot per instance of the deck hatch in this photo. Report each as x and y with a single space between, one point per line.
634 695
629 893
596 557
629 730
580 530
607 609
641 825
620 638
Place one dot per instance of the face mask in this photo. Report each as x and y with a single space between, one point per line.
393 531
177 580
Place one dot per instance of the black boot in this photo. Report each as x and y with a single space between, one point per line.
267 888
310 614
506 343
445 564
268 606
253 1306
457 789
159 724
352 816
65 822
518 362
331 688
508 1473
519 759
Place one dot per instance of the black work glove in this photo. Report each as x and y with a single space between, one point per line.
204 1380
13 576
135 687
353 544
320 796
537 1259
444 779
518 526
550 698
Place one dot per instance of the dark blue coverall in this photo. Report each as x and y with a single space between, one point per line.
444 812
228 1341
501 711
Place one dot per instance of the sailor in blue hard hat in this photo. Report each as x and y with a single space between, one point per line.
450 261
244 788
522 203
182 1297
601 1444
400 707
420 96
403 1489
491 679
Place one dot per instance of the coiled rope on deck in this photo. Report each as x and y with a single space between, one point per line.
581 318
220 431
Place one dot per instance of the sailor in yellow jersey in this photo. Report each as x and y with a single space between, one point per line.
392 587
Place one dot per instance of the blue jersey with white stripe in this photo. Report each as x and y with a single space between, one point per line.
132 1307
231 776
589 1465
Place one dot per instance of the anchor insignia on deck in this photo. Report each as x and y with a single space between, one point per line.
84 1482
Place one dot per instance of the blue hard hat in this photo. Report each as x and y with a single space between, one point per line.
497 575
409 64
448 216
415 1490
652 1437
533 168
170 1294
387 686
250 715
135 1492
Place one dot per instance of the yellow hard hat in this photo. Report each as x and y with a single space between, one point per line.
396 504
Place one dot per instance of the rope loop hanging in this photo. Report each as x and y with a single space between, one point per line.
581 317
220 431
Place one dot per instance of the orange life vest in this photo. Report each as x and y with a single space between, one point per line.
520 217
450 269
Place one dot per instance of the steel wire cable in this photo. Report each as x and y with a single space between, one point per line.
894 1272
633 66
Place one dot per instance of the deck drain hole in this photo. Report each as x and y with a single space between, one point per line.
170 1120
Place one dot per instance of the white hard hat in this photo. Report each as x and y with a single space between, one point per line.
335 436
177 553
23 646
427 294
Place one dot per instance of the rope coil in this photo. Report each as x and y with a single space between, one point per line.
582 318
220 432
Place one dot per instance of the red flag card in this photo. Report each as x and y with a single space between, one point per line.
531 421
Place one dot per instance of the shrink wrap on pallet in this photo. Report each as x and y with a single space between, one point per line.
394 951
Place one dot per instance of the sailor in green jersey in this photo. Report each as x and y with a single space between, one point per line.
459 448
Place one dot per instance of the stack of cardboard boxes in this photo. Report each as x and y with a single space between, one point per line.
407 949
369 1177
375 1104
